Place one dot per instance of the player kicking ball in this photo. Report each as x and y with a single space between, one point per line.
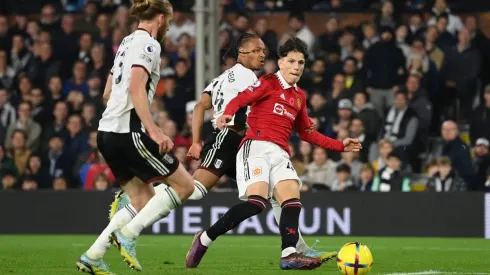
264 169
133 146
218 157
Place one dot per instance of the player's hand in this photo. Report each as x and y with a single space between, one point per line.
165 144
222 121
195 151
313 126
352 145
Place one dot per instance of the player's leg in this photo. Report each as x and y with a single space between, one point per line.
253 189
301 246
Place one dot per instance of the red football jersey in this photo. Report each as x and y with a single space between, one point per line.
277 108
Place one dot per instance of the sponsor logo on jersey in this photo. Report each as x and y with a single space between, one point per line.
168 158
146 58
280 110
149 49
257 171
218 163
231 77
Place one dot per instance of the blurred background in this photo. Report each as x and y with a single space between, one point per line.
409 78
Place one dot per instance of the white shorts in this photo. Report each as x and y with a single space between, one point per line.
262 161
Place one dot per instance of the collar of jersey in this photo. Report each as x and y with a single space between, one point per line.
145 31
283 82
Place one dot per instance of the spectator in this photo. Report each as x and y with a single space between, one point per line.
481 118
20 56
327 41
7 165
104 31
347 43
267 35
386 17
367 177
36 171
7 73
305 153
56 160
102 182
5 36
78 81
445 39
180 25
43 66
60 184
384 64
25 123
87 22
57 126
318 109
392 177
384 149
299 28
343 180
342 120
7 111
456 150
66 40
49 19
479 41
357 130
40 111
318 78
366 112
29 184
446 179
461 70
416 26
241 24
370 35
174 102
441 9
55 88
436 55
99 167
18 150
298 165
401 123
481 161
89 116
98 66
336 94
351 159
322 170
418 101
354 82
95 93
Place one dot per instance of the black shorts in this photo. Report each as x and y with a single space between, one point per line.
134 154
219 152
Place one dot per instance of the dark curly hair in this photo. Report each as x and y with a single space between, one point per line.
293 45
239 41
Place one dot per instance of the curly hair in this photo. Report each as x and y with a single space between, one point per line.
293 45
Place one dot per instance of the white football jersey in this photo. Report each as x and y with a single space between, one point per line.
138 49
226 87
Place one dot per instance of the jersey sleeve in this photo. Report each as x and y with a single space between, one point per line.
145 54
253 93
209 89
303 123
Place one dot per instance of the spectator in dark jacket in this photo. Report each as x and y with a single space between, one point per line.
43 67
481 162
393 177
461 70
365 111
479 41
353 80
384 64
446 179
481 118
418 101
457 151
318 109
445 40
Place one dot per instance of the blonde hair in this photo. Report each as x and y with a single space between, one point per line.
148 9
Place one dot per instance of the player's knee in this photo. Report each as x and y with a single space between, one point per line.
259 203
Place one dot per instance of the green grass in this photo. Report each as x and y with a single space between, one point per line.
237 255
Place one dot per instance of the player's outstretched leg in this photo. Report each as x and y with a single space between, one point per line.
231 219
301 246
94 267
159 206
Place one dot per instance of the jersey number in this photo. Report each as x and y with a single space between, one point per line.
218 96
118 70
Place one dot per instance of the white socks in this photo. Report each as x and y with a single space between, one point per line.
199 191
301 246
157 207
288 251
120 219
205 240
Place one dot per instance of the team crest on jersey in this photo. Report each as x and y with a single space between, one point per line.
149 49
218 163
168 158
257 171
299 102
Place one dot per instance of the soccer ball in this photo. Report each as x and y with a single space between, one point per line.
354 259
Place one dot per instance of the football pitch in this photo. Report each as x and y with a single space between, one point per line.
244 255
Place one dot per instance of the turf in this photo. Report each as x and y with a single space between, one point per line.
237 255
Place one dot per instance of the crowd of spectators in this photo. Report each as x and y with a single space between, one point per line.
404 84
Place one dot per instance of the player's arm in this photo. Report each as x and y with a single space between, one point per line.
201 107
139 96
303 124
251 94
107 89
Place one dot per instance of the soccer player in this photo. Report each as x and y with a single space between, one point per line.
220 150
264 169
133 146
